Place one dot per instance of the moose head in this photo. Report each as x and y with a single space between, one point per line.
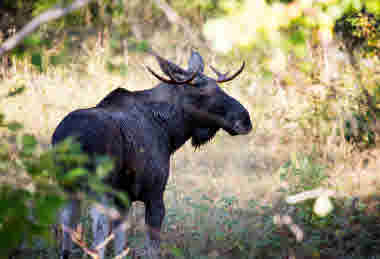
209 107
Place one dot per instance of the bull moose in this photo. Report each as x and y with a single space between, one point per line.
140 130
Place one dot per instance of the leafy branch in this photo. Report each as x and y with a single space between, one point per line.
51 14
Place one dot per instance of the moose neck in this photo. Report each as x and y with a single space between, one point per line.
166 105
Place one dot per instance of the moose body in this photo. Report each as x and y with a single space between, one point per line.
140 130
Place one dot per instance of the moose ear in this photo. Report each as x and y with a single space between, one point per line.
196 62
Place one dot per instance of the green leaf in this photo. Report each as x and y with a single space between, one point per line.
142 46
32 40
139 46
110 67
15 91
29 140
1 119
177 252
297 37
46 208
32 168
73 175
373 6
105 165
56 60
123 70
29 143
37 61
14 126
118 10
115 43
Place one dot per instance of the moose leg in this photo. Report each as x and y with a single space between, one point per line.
69 218
154 215
100 225
120 235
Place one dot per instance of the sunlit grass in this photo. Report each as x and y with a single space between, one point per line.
221 199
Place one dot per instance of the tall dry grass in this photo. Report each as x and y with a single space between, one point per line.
233 181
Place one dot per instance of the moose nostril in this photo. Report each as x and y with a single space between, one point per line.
239 126
243 126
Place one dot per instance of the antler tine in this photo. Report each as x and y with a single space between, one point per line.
159 77
172 79
223 77
168 71
219 74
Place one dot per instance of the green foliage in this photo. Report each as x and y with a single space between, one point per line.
31 199
303 173
121 69
360 29
285 23
36 60
29 207
138 46
279 1
358 130
16 91
198 10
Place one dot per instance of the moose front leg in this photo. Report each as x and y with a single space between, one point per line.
154 216
69 219
100 225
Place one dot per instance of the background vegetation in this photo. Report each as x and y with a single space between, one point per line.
312 88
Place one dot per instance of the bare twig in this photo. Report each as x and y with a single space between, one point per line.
51 14
286 220
77 238
122 254
173 17
299 197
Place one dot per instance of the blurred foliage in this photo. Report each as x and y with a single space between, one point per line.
360 30
286 23
32 181
198 11
31 191
303 172
296 35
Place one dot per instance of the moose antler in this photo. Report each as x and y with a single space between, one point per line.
223 77
172 80
167 68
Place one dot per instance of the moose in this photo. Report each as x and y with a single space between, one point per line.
140 130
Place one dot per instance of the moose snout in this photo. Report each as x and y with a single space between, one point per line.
240 124
241 127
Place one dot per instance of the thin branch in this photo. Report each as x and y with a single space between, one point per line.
77 238
173 17
51 14
299 197
286 220
122 254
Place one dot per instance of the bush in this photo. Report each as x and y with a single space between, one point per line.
360 30
31 193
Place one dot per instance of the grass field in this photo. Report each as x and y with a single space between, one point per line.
221 199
